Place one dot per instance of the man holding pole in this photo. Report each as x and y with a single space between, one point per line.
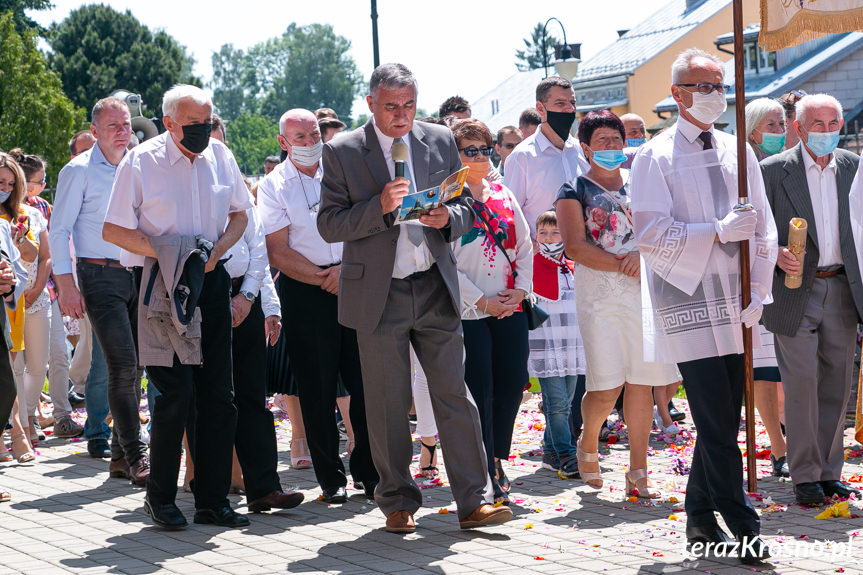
684 193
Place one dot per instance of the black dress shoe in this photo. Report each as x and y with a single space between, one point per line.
278 499
76 400
99 448
780 466
809 493
370 488
165 515
705 534
334 495
752 549
223 516
834 487
674 413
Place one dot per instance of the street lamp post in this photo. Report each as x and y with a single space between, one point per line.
565 52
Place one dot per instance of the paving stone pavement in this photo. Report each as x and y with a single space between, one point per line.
67 515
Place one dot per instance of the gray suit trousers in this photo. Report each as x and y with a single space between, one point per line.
419 312
816 367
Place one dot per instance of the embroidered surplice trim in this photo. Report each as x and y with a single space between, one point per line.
664 257
690 316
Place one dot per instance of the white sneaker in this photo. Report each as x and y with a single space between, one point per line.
145 435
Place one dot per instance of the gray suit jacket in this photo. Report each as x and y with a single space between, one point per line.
788 194
355 172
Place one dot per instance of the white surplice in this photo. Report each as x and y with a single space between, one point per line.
690 284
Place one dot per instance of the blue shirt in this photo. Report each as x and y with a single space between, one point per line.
83 189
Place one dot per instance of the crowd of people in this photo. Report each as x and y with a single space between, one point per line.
604 264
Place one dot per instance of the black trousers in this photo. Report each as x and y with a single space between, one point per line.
8 392
256 436
205 389
714 389
495 371
321 349
111 297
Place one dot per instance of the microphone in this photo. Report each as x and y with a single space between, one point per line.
399 152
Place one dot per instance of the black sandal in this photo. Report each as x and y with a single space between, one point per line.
502 479
430 471
500 496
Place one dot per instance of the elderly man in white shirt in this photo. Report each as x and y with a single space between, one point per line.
683 196
319 347
548 158
183 183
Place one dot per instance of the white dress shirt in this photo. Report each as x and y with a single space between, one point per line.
537 170
409 258
290 199
159 191
691 284
825 206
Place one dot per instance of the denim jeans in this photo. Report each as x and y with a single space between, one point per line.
96 394
111 297
557 399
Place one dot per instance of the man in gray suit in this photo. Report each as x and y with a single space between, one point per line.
815 324
399 286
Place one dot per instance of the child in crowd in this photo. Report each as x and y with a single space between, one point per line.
556 350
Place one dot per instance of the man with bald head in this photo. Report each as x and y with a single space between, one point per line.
684 193
320 348
815 324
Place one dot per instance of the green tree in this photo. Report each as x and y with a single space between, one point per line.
252 138
35 114
306 67
23 22
531 57
97 50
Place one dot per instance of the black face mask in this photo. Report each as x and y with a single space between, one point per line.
560 122
196 137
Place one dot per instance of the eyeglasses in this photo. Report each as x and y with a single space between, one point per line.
472 151
39 183
705 88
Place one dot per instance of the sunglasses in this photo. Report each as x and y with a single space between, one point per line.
472 151
705 88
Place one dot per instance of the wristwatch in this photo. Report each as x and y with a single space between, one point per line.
248 295
20 240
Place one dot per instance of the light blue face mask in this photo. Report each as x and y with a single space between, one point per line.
4 196
772 143
608 159
635 142
823 143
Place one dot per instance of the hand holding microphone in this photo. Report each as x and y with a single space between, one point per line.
394 191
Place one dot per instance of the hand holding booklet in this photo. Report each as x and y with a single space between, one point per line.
421 203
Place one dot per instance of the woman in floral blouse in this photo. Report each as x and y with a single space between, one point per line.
495 329
596 224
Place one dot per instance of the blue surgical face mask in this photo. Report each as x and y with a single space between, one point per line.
4 196
823 143
772 143
635 142
608 159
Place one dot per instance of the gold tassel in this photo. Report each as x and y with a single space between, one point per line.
807 25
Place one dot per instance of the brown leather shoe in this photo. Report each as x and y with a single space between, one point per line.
278 499
401 521
486 514
119 468
140 471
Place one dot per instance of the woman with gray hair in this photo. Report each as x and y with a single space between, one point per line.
765 127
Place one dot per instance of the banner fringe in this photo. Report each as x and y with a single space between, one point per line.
807 25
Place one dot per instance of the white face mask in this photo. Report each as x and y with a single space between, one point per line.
307 155
706 108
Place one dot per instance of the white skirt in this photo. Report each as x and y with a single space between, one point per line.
609 316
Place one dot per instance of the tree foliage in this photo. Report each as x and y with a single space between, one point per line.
35 114
24 23
97 50
252 138
531 57
306 67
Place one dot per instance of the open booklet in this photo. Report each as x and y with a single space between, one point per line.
420 203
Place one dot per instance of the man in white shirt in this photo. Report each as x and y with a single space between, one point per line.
319 347
551 156
815 324
182 183
683 197
398 286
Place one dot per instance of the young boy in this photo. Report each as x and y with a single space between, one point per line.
556 350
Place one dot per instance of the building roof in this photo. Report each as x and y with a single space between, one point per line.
785 79
649 38
504 104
